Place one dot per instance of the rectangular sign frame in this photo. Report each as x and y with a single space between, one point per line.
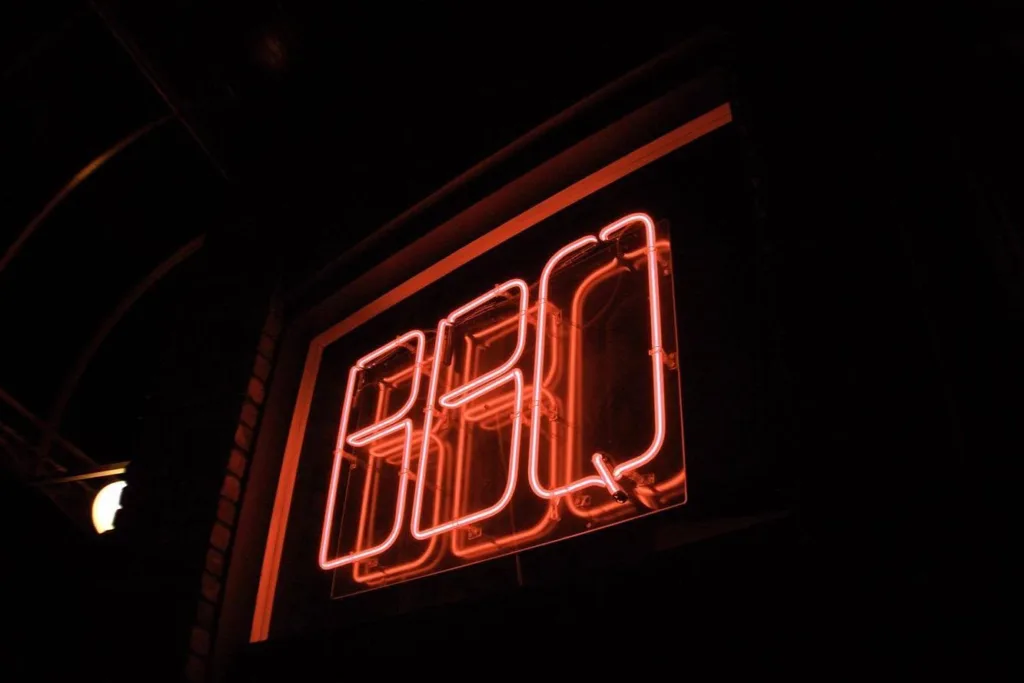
676 138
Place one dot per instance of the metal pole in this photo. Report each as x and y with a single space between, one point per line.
77 180
41 425
70 382
147 73
106 471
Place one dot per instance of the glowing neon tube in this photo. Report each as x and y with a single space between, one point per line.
380 429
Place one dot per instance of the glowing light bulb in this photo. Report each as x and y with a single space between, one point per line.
105 505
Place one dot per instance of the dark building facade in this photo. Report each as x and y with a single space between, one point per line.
532 348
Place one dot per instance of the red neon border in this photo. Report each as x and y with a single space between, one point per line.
635 160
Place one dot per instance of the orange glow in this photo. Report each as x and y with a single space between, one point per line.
604 477
371 472
356 556
390 447
507 405
467 392
400 432
546 522
657 351
538 369
362 436
488 335
576 380
386 449
426 561
384 427
514 376
671 487
497 412
390 438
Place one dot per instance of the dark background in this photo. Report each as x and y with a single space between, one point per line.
883 163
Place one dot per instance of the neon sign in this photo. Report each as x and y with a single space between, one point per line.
483 439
